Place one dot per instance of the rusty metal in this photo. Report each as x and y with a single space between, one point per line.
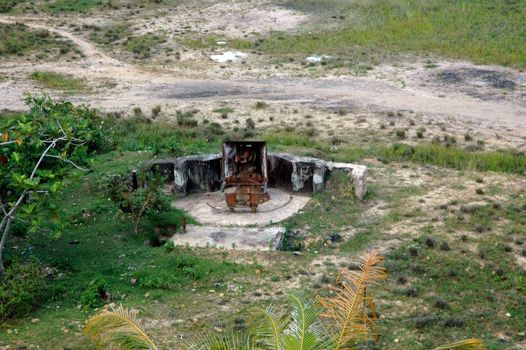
244 171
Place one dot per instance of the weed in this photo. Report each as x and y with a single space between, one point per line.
21 289
260 105
95 293
20 40
400 134
156 111
250 123
57 81
137 112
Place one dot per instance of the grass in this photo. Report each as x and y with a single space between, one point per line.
72 5
108 249
456 158
486 32
464 285
9 5
57 81
142 46
187 289
19 40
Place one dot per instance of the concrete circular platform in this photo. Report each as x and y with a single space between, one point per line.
211 208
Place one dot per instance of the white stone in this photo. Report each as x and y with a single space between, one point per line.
317 58
229 56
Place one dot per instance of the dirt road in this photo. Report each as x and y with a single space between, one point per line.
472 93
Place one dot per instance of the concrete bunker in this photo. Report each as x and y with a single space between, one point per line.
280 184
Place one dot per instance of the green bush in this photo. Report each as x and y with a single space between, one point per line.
96 292
20 289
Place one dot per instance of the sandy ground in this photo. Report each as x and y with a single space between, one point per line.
486 99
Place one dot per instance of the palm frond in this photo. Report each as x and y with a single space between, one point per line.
119 328
468 344
348 309
270 327
225 341
305 331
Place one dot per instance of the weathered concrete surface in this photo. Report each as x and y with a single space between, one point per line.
242 238
203 172
358 174
298 174
211 208
191 173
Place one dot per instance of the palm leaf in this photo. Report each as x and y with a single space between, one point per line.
348 309
305 331
118 328
225 341
270 327
468 344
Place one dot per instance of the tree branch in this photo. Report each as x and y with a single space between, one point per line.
67 161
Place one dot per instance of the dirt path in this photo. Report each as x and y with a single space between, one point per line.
139 86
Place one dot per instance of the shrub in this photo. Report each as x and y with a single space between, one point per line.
20 290
260 105
169 246
156 111
400 133
251 124
95 293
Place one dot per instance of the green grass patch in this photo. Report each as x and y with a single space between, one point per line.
452 295
485 31
72 5
456 158
143 46
9 5
18 40
223 110
57 81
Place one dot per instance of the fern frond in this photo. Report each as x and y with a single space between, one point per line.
119 328
348 308
468 344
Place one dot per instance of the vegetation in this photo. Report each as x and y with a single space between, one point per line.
96 261
36 148
457 158
21 289
8 5
145 197
483 32
57 81
336 322
19 40
72 5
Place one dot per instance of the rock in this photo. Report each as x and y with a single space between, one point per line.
229 56
133 281
35 320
